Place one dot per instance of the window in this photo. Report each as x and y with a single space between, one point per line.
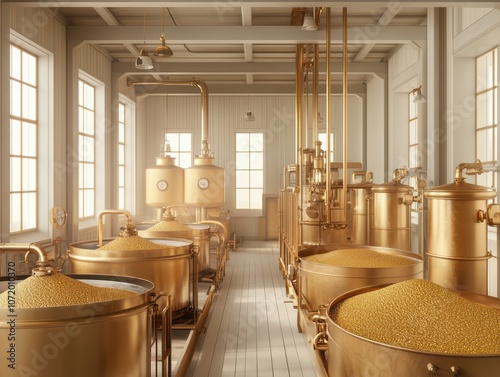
322 138
487 115
23 140
414 145
180 148
249 170
121 155
86 149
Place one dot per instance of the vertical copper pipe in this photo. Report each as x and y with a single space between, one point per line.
315 91
344 112
327 115
299 88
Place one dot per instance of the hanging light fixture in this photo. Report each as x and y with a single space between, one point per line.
249 117
143 61
163 51
417 95
309 23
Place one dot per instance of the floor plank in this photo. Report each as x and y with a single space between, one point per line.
252 326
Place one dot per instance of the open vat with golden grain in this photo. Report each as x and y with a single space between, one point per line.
170 228
413 328
350 267
58 326
166 262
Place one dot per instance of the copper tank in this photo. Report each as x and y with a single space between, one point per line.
457 239
359 198
321 283
199 234
391 216
352 355
168 268
105 339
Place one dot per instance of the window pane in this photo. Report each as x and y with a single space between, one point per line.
15 137
412 108
185 142
256 142
15 212
242 161
242 142
15 63
121 133
121 198
256 179
242 179
413 132
414 157
121 154
88 96
15 174
485 146
242 199
15 98
29 174
121 113
484 113
29 139
121 176
88 122
88 176
29 102
484 68
86 148
255 198
29 68
29 210
257 161
88 198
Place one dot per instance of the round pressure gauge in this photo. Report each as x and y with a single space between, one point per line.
203 183
162 185
59 216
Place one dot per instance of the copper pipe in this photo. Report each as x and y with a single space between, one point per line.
315 91
327 115
110 212
202 86
299 91
25 247
471 168
344 112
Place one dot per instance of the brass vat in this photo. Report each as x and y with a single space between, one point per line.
352 355
168 268
321 283
104 339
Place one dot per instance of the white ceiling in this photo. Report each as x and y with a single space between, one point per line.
243 46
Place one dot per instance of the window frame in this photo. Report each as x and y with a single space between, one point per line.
45 142
249 210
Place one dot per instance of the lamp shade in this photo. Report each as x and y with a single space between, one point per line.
143 61
309 24
249 117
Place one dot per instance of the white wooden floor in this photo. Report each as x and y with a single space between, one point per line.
252 326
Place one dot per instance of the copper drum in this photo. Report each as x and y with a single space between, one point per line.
457 241
360 213
105 339
321 283
391 217
168 268
351 355
198 233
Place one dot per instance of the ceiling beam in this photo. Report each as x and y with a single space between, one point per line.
250 3
243 34
203 68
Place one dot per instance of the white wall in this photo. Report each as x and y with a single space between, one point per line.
376 132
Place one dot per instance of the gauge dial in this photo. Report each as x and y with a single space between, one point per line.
59 216
162 185
203 183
